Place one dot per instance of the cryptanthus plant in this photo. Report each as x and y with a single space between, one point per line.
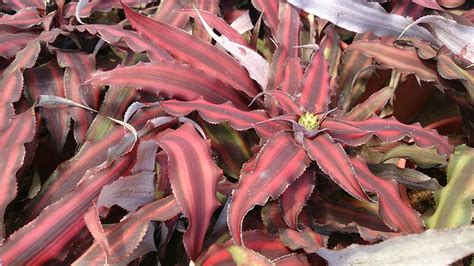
227 132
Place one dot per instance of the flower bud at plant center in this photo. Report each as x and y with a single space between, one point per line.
309 121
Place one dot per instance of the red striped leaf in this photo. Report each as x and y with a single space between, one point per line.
92 221
116 35
47 79
267 245
218 23
272 248
409 8
449 69
469 15
395 212
345 132
20 130
287 38
390 130
24 19
10 43
295 196
288 103
331 48
124 237
79 67
227 112
293 73
173 80
194 52
403 59
268 179
455 36
31 242
270 11
306 239
169 12
210 6
11 81
98 6
256 65
336 166
18 5
315 91
372 105
352 62
92 153
193 176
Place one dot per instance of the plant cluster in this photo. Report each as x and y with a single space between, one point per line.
235 132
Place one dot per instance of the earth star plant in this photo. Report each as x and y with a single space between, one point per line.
138 181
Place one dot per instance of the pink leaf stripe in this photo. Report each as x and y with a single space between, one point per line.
48 80
390 130
169 12
193 176
270 11
211 7
219 24
79 66
295 196
315 91
352 62
267 245
289 104
410 8
124 237
268 178
18 5
92 221
24 19
13 42
293 73
227 112
287 38
372 105
91 154
345 132
115 35
19 131
28 242
405 59
332 160
395 212
306 239
173 80
99 6
200 55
